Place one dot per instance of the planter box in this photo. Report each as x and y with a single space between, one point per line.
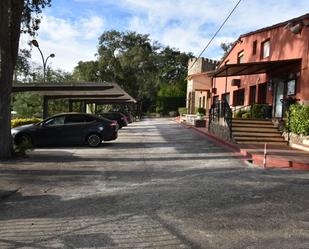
200 123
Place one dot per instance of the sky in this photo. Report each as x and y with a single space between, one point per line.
70 28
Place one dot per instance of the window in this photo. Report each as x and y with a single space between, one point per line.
265 49
226 97
254 47
240 57
204 98
215 99
262 93
238 97
74 119
252 96
55 121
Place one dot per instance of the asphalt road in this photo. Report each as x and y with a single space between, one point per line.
158 186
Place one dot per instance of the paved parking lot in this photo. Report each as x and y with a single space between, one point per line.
158 186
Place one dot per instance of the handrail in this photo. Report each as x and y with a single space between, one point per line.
221 109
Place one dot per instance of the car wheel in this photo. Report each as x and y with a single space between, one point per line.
25 140
94 140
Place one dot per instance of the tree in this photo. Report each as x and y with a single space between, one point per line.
16 16
141 67
226 46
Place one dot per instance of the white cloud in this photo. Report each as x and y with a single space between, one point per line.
71 41
153 17
186 25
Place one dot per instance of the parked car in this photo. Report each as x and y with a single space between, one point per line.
128 114
67 128
117 116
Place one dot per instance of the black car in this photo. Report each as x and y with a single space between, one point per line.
128 114
117 116
67 128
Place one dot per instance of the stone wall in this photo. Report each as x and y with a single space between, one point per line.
295 139
201 65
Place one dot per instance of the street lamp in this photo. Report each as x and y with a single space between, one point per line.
36 44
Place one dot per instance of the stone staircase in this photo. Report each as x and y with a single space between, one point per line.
254 131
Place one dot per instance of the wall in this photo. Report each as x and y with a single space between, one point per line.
284 45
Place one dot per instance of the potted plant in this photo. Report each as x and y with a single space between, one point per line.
200 121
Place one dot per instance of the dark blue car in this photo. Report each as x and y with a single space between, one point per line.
67 129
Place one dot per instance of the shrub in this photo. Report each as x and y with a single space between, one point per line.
182 110
24 121
246 115
201 110
298 120
240 113
168 104
259 111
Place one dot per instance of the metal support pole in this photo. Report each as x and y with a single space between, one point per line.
70 105
45 107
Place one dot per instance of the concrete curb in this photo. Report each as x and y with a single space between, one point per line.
257 159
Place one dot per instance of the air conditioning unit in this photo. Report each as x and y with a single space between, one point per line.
235 82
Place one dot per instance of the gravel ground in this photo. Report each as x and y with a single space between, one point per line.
158 186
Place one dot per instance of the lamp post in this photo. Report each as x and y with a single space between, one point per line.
36 44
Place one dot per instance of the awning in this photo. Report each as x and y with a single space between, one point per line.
252 68
97 92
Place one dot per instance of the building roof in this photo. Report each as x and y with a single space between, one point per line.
292 21
95 91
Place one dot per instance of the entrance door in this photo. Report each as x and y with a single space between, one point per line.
279 95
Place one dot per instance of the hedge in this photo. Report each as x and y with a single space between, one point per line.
24 121
167 104
182 110
298 119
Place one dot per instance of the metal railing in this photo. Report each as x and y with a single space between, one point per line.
257 111
221 109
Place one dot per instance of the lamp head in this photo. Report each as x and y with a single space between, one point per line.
52 55
35 43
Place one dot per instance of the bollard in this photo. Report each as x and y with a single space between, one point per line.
265 155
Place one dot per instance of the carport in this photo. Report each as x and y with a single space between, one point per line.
97 93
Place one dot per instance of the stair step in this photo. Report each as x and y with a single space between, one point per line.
256 134
260 142
254 129
260 121
265 139
253 125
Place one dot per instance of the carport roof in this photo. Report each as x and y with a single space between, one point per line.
252 68
95 91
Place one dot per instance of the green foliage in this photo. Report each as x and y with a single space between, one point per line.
143 68
167 104
226 47
246 115
298 120
201 111
24 121
182 110
240 113
27 104
259 111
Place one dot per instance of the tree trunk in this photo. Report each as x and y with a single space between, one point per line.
10 20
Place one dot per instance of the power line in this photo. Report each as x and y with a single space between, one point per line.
213 37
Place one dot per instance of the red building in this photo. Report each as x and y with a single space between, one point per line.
266 66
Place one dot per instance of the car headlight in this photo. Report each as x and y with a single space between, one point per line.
101 128
13 132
